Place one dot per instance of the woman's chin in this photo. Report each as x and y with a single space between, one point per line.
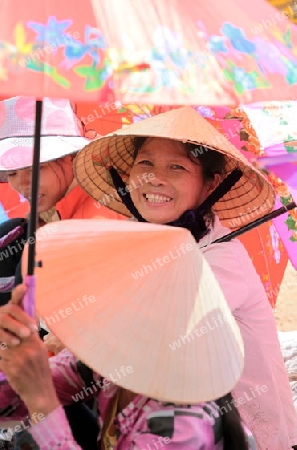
44 207
159 218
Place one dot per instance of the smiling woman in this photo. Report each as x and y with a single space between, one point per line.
204 168
197 170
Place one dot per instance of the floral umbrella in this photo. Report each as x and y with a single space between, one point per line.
275 125
139 51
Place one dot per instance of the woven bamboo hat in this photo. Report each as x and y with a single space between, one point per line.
139 304
252 193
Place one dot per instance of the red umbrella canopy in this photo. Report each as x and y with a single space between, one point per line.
211 53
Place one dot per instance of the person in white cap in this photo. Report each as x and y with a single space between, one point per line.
62 136
60 198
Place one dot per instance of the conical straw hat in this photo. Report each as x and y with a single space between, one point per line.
139 304
252 193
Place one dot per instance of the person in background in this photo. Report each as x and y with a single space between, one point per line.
62 136
60 198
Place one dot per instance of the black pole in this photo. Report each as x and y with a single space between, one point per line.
256 223
34 190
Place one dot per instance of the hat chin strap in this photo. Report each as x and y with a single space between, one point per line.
192 220
126 197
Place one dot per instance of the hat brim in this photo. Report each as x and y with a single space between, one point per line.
249 199
17 153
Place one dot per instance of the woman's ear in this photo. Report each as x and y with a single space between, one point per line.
213 184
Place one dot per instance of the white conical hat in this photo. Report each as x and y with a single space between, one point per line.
140 296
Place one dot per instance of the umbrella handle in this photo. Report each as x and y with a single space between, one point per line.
29 297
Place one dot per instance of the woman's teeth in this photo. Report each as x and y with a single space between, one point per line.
39 196
154 198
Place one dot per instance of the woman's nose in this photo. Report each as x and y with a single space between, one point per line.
23 180
159 177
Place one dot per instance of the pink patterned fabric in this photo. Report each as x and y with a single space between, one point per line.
143 424
262 395
19 120
61 131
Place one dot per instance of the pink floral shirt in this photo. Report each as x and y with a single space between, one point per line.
144 424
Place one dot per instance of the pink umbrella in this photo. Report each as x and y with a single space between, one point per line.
181 52
275 124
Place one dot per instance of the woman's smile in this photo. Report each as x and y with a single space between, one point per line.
156 199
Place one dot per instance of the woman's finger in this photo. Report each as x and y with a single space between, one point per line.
7 340
10 326
17 314
17 294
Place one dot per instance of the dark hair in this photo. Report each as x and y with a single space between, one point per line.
232 429
212 161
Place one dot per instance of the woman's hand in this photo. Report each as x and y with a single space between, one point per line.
53 344
24 358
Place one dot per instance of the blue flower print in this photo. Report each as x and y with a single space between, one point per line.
217 44
238 39
51 32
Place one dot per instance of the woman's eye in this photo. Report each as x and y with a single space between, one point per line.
178 167
11 174
145 162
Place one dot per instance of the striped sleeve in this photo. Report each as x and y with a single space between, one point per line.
53 432
69 385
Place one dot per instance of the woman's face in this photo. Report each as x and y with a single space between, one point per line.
175 183
54 179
